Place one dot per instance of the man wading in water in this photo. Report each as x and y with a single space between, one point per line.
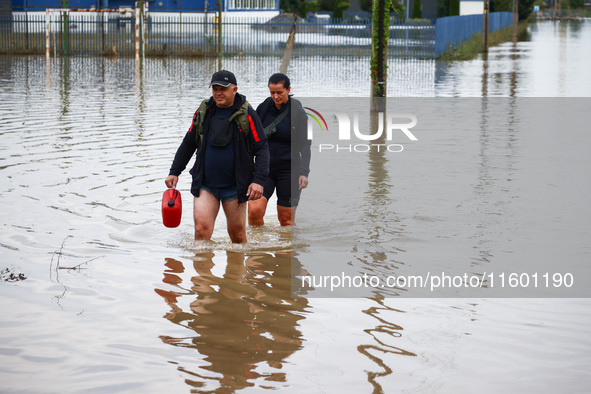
232 160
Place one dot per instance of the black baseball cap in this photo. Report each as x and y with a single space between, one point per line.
223 78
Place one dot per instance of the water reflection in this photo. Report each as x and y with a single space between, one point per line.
493 190
65 88
243 321
513 79
484 76
384 329
575 28
377 252
383 224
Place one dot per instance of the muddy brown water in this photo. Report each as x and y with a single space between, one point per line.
115 302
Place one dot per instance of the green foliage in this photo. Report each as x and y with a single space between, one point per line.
365 5
310 6
339 8
447 8
454 7
574 4
396 6
525 7
300 7
417 12
442 8
501 5
326 5
290 6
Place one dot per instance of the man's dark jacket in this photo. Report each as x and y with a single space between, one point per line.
248 169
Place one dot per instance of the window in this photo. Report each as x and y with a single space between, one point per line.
251 4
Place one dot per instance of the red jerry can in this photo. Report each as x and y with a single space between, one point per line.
172 208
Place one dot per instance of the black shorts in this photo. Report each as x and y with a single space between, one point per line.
288 192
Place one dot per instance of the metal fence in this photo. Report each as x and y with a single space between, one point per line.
552 13
182 34
259 37
78 34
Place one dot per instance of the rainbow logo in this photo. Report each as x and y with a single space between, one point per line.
315 115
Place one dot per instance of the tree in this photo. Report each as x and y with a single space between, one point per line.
300 7
454 7
417 12
290 6
526 7
326 5
339 8
309 6
501 5
447 8
365 5
442 8
397 7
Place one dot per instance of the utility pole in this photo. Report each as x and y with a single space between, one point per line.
206 20
515 19
485 24
27 25
219 33
380 35
142 29
65 29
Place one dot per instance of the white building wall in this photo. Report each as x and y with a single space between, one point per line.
471 7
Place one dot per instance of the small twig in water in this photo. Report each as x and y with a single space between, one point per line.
59 254
77 267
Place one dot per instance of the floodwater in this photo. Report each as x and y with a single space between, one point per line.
115 302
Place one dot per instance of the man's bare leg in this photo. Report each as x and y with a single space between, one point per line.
236 218
205 211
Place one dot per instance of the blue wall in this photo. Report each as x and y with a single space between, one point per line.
453 30
153 5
